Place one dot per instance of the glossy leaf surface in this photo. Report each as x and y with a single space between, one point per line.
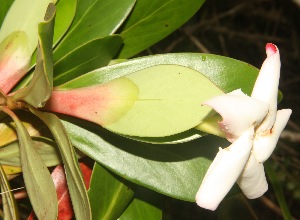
38 181
87 57
94 19
181 166
153 20
108 194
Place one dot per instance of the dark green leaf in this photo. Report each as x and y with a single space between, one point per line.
108 194
10 209
153 20
37 178
174 170
94 19
86 57
145 205
39 89
73 174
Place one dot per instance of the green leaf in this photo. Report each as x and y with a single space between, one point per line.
278 192
226 73
108 194
5 5
47 149
65 12
145 205
37 178
39 89
180 166
75 182
153 20
10 209
94 19
24 17
87 57
169 102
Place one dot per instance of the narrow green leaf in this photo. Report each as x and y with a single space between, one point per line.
87 57
74 177
10 209
153 20
5 5
180 166
39 89
108 194
94 19
145 205
37 178
65 12
278 192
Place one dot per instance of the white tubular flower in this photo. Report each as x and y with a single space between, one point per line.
224 171
239 112
252 180
261 152
253 127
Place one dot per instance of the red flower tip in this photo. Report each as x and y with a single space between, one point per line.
271 49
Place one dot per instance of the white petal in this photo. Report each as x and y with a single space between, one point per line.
253 181
266 85
264 144
224 171
239 112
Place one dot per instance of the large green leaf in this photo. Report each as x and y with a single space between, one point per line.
94 19
145 205
169 102
10 210
37 178
171 90
226 73
87 57
152 20
174 170
75 182
108 194
39 89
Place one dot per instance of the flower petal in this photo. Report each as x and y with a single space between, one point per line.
253 181
224 171
266 85
264 144
239 112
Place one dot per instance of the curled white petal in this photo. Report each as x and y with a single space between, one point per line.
264 144
253 181
224 171
266 85
239 112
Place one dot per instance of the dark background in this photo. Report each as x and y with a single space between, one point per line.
240 30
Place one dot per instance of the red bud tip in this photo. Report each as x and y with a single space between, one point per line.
271 49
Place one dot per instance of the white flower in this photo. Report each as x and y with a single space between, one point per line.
253 125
